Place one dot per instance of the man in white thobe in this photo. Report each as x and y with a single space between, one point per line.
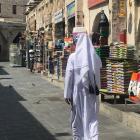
83 67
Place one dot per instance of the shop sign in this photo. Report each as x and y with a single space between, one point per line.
58 16
122 8
92 3
71 10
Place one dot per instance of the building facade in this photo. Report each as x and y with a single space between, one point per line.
115 12
12 22
57 17
92 16
74 15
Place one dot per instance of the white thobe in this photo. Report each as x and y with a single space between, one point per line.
85 106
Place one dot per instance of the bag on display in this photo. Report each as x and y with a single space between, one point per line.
132 90
138 85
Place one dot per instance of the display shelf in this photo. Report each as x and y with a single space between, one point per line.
105 92
121 59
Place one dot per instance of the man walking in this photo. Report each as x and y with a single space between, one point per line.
83 69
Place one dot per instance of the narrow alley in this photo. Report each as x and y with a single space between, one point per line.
33 109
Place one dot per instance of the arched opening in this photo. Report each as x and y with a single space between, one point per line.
4 49
100 29
17 38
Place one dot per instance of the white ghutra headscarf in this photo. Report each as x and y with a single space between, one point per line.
87 60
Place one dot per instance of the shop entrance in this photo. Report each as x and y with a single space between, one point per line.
60 30
71 25
100 29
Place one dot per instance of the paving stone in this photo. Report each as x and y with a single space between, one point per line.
33 109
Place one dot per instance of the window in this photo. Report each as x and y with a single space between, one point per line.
0 7
14 9
51 1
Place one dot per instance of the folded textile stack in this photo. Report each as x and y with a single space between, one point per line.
103 52
98 50
121 51
119 74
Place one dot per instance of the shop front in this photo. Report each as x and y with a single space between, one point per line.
109 28
100 29
99 23
59 33
59 24
71 17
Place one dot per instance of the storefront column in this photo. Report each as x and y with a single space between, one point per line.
53 32
79 21
131 23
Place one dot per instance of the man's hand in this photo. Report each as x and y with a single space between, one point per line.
68 101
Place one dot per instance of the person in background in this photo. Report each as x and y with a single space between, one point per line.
31 58
83 70
51 66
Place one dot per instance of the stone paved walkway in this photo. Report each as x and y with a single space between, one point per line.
33 109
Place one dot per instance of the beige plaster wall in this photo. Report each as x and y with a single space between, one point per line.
6 10
86 15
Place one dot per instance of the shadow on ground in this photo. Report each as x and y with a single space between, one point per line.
2 71
17 123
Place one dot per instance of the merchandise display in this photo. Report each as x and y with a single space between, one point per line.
121 51
57 59
103 52
57 63
132 89
59 45
119 74
68 41
138 86
120 65
38 58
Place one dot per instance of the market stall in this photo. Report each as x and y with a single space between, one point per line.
120 65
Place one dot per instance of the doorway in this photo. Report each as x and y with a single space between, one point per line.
100 29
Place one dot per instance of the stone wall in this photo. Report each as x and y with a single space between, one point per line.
7 10
10 24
